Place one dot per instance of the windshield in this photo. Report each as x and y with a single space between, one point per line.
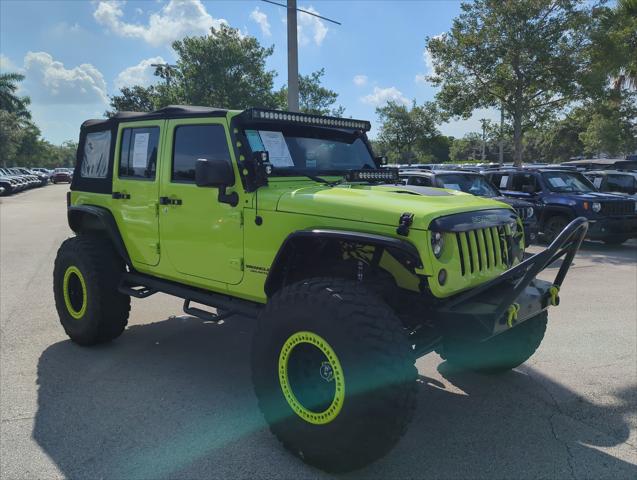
294 150
567 182
473 184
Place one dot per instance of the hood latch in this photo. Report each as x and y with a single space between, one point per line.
406 219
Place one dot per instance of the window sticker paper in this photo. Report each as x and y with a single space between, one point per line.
140 150
503 181
274 143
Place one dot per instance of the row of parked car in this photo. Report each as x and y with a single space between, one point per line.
546 197
17 179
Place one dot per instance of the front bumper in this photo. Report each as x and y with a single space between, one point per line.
517 294
613 226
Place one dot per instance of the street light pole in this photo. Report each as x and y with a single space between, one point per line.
293 59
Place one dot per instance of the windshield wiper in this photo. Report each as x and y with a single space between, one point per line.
322 180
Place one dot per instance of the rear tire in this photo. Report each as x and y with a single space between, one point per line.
85 279
341 354
500 353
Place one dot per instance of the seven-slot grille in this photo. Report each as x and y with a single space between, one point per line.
618 208
484 249
522 212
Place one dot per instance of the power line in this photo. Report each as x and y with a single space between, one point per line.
304 11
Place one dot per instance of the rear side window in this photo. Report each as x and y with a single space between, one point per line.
524 182
621 183
420 181
138 153
97 148
193 142
500 180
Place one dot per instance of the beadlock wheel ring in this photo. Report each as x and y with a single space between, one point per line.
332 411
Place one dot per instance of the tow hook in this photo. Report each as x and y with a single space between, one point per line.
512 314
554 297
406 219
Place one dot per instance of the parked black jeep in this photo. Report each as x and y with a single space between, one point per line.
560 196
476 184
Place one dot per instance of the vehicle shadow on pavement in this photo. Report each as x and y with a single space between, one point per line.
173 399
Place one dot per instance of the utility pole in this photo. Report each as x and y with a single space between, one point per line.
483 121
293 59
293 50
501 146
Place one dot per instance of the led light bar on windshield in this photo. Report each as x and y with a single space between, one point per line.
386 175
306 119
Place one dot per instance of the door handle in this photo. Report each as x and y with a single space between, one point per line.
169 201
120 196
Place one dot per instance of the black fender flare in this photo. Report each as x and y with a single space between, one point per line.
87 218
405 252
550 210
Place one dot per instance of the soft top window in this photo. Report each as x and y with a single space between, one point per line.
95 156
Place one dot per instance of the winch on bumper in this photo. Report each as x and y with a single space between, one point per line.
517 294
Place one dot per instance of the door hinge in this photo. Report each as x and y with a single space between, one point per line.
158 248
157 209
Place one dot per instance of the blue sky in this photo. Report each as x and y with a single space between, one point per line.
77 53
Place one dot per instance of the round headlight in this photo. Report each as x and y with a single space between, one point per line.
514 228
436 243
529 212
596 207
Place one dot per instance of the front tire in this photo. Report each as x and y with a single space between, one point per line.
500 353
85 280
553 227
334 373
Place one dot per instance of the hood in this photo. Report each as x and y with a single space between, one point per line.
592 196
382 204
514 202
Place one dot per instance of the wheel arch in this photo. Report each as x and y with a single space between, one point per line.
303 241
94 219
552 210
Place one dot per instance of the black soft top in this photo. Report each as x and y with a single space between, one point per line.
171 111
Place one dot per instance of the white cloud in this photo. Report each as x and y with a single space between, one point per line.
360 80
140 74
421 78
50 82
262 19
173 21
310 26
380 96
6 65
429 63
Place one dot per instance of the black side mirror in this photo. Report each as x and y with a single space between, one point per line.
213 173
216 173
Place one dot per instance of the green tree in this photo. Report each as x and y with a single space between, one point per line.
527 56
135 99
9 100
406 132
614 43
10 137
467 148
313 97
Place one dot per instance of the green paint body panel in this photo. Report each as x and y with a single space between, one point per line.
212 245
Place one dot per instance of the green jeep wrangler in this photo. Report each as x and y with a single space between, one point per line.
289 218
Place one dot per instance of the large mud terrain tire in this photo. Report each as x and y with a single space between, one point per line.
502 352
85 280
334 373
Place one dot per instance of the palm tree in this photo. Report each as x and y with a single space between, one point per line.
11 102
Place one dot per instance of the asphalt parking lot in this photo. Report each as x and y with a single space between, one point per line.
172 397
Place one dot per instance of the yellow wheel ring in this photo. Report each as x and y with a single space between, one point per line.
70 272
331 412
